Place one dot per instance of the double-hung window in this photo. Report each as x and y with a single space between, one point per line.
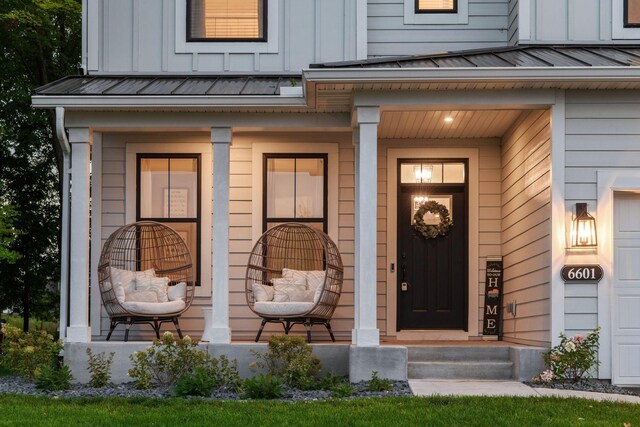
226 20
631 13
295 190
436 6
168 191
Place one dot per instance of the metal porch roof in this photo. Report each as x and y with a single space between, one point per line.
510 57
169 85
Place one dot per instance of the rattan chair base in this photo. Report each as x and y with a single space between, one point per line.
288 323
154 322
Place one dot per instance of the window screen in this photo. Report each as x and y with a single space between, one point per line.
436 6
231 20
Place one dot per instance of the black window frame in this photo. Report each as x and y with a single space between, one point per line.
325 192
626 17
440 11
197 220
265 14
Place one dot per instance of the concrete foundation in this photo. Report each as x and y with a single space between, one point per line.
527 362
389 361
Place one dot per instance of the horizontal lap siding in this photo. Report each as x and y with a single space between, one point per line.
526 227
602 132
389 35
489 208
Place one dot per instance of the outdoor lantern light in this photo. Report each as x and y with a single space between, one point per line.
583 232
423 173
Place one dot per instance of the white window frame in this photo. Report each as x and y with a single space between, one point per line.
617 21
206 206
270 46
413 18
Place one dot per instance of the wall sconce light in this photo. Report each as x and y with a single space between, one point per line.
583 231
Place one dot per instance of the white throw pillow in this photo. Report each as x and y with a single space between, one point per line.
291 291
120 293
156 284
318 293
294 275
315 279
142 296
127 277
262 293
177 292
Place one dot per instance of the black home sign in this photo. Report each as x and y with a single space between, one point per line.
582 273
493 297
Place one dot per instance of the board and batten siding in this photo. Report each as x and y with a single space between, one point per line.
139 36
388 35
514 13
602 132
526 228
489 210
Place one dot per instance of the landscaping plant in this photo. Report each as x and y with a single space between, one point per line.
344 389
572 360
52 378
166 361
262 387
290 358
378 384
330 380
99 368
213 374
27 354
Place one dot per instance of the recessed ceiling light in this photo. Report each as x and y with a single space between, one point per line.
448 119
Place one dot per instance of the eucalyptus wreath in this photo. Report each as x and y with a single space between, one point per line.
432 231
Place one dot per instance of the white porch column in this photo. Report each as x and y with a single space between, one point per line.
366 333
219 332
78 330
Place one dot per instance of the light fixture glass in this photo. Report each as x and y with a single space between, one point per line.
423 173
583 231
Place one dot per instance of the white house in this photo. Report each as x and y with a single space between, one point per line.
511 113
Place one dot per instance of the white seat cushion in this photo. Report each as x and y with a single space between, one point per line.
154 308
275 309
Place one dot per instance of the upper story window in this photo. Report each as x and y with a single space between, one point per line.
436 6
226 20
631 13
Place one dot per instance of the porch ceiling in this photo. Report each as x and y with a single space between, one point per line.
413 124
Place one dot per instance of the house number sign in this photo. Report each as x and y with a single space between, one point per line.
582 273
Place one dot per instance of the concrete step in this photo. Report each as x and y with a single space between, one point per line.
460 370
458 353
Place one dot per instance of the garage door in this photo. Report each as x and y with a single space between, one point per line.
626 291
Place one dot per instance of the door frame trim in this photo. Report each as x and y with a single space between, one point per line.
609 182
471 155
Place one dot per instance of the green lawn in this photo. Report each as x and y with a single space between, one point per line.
436 411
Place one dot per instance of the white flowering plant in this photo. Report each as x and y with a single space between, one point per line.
28 353
572 360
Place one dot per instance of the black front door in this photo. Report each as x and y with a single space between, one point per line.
433 272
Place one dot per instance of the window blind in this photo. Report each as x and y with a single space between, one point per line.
428 5
227 19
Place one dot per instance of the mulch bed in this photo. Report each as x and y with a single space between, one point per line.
17 385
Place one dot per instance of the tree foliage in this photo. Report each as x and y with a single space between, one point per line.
40 41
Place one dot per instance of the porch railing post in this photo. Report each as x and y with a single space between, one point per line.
78 330
366 333
219 331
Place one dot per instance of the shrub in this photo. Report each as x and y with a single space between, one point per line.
341 390
290 358
51 378
166 361
99 368
27 354
378 384
225 373
262 387
329 381
196 383
571 360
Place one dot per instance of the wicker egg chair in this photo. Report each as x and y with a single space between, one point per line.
142 246
297 247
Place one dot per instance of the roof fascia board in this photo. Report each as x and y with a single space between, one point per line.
203 121
513 97
471 74
137 101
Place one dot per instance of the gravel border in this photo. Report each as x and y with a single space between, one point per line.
588 385
17 385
